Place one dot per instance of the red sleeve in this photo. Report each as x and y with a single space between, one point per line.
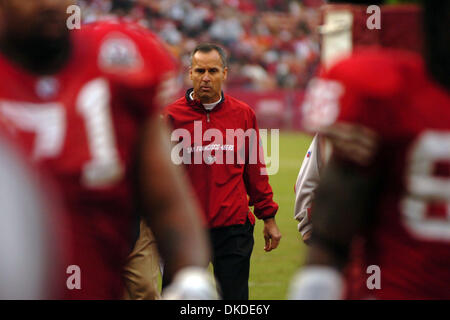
138 65
255 176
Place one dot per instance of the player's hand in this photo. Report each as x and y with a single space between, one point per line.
352 142
191 283
272 234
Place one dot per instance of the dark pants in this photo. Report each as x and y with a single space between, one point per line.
232 247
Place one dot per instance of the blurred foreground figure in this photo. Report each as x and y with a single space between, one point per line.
391 216
28 223
344 30
86 105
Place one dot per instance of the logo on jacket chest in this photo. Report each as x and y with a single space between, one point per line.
214 146
226 146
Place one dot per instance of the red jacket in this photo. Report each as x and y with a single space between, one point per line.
224 168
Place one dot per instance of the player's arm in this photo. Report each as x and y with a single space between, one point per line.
351 141
343 207
172 215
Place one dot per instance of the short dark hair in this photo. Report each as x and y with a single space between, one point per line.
208 47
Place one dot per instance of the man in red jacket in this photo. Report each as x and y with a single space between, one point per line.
218 141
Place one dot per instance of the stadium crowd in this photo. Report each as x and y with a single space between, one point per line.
271 44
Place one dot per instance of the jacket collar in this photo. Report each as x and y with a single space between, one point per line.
196 104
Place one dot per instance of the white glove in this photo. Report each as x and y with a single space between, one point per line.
191 283
317 283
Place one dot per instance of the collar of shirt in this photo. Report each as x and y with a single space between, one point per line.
208 106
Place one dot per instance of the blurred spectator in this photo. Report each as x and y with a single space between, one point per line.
272 44
226 28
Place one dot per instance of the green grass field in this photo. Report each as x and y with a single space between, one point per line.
271 272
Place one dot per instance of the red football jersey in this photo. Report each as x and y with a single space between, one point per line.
82 125
391 93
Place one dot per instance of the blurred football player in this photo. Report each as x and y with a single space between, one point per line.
397 208
86 103
344 29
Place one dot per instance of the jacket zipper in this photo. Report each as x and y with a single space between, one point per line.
207 116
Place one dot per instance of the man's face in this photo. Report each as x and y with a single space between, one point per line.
30 18
207 74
